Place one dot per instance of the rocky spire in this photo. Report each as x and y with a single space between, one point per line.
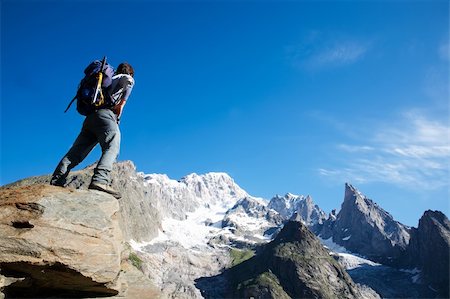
429 250
363 227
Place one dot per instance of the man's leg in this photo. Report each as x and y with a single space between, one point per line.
110 144
104 125
82 146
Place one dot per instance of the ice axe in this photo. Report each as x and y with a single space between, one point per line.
98 89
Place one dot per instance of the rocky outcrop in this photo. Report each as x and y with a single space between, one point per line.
301 207
59 241
140 215
363 227
64 242
429 250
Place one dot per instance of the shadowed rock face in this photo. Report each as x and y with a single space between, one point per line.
51 280
302 264
294 265
429 250
59 241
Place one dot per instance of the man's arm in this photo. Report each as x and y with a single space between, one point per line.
119 108
128 82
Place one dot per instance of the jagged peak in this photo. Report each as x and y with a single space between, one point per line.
159 179
191 179
309 199
352 193
349 189
251 199
291 195
355 197
434 216
216 176
219 180
349 186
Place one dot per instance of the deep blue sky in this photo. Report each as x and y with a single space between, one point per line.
285 96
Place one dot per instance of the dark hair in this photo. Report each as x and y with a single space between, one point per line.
125 68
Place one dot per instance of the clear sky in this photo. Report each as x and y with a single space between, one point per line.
285 96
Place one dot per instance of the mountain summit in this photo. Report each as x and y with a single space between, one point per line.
363 227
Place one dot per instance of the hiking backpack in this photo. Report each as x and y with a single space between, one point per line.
92 93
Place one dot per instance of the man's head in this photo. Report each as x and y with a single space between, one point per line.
125 68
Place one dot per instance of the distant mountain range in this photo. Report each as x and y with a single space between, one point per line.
204 236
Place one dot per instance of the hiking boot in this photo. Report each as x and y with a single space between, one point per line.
56 181
105 188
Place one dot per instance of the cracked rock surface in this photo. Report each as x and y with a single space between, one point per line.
59 241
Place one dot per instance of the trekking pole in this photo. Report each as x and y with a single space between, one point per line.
98 89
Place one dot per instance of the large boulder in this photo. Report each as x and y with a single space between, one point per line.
139 207
59 241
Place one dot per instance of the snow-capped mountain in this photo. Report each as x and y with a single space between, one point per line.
214 188
302 206
176 198
191 241
251 218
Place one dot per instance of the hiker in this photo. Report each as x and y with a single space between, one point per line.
100 126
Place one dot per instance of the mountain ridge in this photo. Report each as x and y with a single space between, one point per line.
187 228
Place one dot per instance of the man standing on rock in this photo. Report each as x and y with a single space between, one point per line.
101 126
